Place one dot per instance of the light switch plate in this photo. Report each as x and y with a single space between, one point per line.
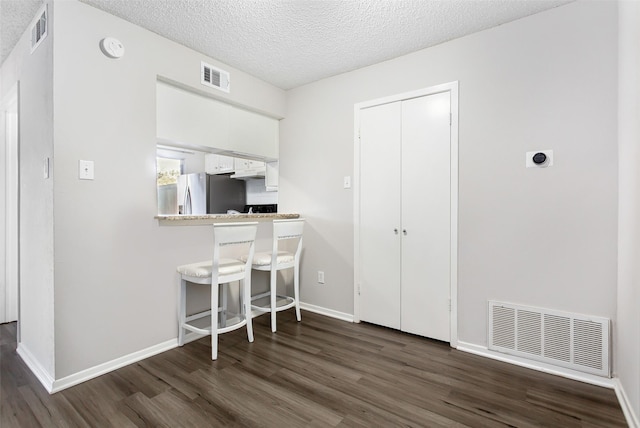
46 168
85 170
347 182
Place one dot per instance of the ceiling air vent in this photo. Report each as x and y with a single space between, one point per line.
39 28
214 77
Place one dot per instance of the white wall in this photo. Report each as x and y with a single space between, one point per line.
542 237
35 74
627 355
257 193
3 207
193 163
115 280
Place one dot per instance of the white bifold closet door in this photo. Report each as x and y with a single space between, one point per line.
426 216
405 188
380 202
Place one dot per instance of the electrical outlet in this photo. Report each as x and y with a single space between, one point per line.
320 277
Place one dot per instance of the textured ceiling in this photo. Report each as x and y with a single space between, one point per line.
292 42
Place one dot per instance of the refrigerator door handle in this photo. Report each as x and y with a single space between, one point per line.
187 201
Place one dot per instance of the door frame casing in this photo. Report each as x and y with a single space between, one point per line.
452 88
11 216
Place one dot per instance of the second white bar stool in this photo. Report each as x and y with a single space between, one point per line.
275 260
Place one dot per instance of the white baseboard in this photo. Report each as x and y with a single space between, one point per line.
191 336
536 365
327 312
100 369
93 372
627 408
43 376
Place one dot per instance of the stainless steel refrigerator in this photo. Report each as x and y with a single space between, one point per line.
201 193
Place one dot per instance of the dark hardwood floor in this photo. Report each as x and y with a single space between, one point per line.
317 373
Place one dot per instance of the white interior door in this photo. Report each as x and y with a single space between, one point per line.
426 216
380 199
9 209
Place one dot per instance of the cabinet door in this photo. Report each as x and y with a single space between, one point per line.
187 118
271 176
426 215
253 133
380 134
253 164
247 164
218 164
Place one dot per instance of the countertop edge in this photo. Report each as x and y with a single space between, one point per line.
221 218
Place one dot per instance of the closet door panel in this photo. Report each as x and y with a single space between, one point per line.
426 216
380 139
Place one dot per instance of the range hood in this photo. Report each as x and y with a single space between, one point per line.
249 173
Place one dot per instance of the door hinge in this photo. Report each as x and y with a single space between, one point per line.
450 118
358 289
449 305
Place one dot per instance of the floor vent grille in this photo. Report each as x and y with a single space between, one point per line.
574 341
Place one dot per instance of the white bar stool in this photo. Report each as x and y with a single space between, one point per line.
276 260
220 271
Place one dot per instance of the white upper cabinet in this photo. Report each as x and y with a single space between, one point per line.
247 164
187 118
191 119
218 164
254 134
271 176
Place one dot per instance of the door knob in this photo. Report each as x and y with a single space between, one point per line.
404 231
395 231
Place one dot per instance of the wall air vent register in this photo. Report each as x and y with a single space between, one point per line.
39 28
215 77
564 339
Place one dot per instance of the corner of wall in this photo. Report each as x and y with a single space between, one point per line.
627 333
34 73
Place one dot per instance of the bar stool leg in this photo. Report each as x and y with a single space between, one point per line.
182 310
245 290
274 291
296 290
223 317
214 320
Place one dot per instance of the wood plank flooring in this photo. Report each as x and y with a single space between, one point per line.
318 373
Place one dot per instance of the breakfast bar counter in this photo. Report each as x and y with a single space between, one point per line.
199 219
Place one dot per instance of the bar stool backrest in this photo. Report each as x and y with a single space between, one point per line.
225 234
287 230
